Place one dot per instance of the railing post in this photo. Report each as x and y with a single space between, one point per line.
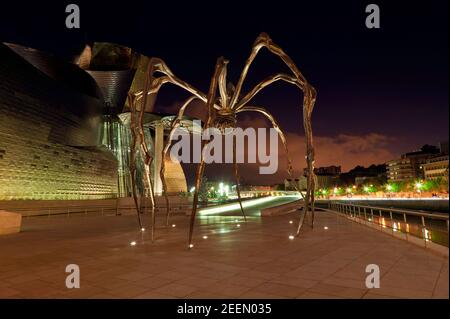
380 221
423 230
365 214
392 221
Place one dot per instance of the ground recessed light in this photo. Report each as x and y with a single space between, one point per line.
238 225
326 227
205 237
191 245
173 225
291 237
142 229
291 222
133 243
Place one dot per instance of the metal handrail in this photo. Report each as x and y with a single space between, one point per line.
362 211
397 210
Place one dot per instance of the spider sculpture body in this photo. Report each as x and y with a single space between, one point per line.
222 114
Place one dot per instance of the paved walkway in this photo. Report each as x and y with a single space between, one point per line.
255 260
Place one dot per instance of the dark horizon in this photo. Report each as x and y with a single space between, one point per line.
381 92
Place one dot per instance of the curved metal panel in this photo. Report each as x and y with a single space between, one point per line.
114 86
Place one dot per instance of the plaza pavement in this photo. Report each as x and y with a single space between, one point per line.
255 260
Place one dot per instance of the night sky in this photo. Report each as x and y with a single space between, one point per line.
380 92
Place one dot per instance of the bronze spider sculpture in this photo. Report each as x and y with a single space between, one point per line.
222 112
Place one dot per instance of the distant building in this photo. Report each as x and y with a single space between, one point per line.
296 183
443 147
374 174
436 167
325 170
410 165
326 181
400 170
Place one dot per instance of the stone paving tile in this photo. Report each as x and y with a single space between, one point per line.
339 291
176 290
281 290
315 295
226 289
293 281
6 292
128 291
402 293
256 260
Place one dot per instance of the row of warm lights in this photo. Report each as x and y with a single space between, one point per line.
223 189
367 188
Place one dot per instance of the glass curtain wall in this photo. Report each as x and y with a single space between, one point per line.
116 136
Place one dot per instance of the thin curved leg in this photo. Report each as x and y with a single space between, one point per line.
164 187
149 186
220 64
309 97
131 101
236 175
198 181
166 147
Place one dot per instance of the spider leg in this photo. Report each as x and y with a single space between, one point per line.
277 127
131 102
148 94
201 166
174 125
266 82
309 97
264 41
153 84
149 185
236 175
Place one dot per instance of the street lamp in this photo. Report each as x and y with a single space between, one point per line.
418 186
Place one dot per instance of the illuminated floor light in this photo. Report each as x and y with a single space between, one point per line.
291 222
238 225
205 237
191 245
325 227
291 237
173 225
133 243
142 229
